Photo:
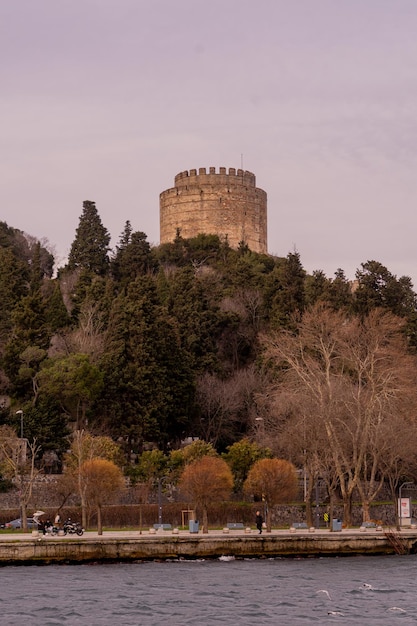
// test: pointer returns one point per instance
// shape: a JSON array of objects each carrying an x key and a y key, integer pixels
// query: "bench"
[
  {"x": 235, "y": 526},
  {"x": 299, "y": 525},
  {"x": 369, "y": 525},
  {"x": 162, "y": 526}
]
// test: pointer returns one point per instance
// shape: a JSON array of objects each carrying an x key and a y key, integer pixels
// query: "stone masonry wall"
[{"x": 227, "y": 204}]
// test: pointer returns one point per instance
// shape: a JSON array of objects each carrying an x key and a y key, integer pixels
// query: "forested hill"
[{"x": 155, "y": 344}]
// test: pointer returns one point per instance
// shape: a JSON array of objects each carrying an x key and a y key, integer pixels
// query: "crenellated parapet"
[
  {"x": 223, "y": 202},
  {"x": 201, "y": 176}
]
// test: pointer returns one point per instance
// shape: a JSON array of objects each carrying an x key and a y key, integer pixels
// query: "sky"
[{"x": 107, "y": 100}]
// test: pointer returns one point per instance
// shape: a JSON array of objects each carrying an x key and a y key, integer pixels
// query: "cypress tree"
[
  {"x": 89, "y": 250},
  {"x": 133, "y": 257}
]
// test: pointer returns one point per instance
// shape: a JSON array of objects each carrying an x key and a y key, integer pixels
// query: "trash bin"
[
  {"x": 193, "y": 525},
  {"x": 336, "y": 525}
]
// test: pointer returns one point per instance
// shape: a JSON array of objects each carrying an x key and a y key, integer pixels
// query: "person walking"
[{"x": 259, "y": 521}]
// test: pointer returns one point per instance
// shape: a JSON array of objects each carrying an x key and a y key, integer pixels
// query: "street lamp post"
[
  {"x": 260, "y": 429},
  {"x": 260, "y": 436},
  {"x": 317, "y": 504},
  {"x": 161, "y": 481},
  {"x": 20, "y": 412},
  {"x": 159, "y": 502},
  {"x": 408, "y": 484}
]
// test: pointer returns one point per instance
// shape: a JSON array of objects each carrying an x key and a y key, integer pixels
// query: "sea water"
[{"x": 228, "y": 591}]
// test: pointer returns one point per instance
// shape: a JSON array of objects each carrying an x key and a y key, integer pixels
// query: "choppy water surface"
[{"x": 361, "y": 590}]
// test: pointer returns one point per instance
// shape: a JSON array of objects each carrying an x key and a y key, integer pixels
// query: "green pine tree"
[
  {"x": 148, "y": 379},
  {"x": 89, "y": 250},
  {"x": 133, "y": 257}
]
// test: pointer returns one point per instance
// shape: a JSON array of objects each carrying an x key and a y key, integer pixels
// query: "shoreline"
[{"x": 130, "y": 546}]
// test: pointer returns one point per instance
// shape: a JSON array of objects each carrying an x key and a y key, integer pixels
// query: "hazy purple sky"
[{"x": 107, "y": 100}]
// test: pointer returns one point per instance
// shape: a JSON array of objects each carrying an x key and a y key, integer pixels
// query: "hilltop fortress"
[{"x": 227, "y": 204}]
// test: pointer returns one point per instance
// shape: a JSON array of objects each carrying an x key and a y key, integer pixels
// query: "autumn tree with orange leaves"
[
  {"x": 103, "y": 480},
  {"x": 273, "y": 480},
  {"x": 205, "y": 481}
]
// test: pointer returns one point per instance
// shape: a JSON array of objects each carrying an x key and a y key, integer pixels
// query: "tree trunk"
[
  {"x": 347, "y": 510},
  {"x": 24, "y": 517},
  {"x": 268, "y": 519},
  {"x": 366, "y": 515},
  {"x": 83, "y": 510},
  {"x": 309, "y": 514},
  {"x": 308, "y": 490},
  {"x": 99, "y": 521},
  {"x": 331, "y": 509},
  {"x": 23, "y": 504},
  {"x": 81, "y": 491},
  {"x": 205, "y": 520}
]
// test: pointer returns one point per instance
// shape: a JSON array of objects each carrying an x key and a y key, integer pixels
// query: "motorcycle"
[{"x": 73, "y": 528}]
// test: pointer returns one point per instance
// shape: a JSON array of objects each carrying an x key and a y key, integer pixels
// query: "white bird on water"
[{"x": 325, "y": 592}]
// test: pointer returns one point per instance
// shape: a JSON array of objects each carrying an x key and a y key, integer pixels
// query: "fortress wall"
[{"x": 225, "y": 203}]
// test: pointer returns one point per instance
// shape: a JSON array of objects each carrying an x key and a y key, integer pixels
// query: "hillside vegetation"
[{"x": 192, "y": 339}]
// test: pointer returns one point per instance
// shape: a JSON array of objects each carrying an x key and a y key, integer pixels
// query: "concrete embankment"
[{"x": 132, "y": 546}]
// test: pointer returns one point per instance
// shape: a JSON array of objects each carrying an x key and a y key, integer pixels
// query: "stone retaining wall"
[{"x": 39, "y": 551}]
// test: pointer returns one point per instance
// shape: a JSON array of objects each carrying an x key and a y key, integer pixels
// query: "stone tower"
[{"x": 227, "y": 204}]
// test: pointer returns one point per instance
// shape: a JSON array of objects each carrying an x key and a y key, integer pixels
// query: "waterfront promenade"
[{"x": 112, "y": 546}]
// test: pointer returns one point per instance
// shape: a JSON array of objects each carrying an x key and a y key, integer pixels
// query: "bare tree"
[
  {"x": 63, "y": 489},
  {"x": 299, "y": 437},
  {"x": 398, "y": 455},
  {"x": 88, "y": 337},
  {"x": 353, "y": 375},
  {"x": 226, "y": 405},
  {"x": 17, "y": 459},
  {"x": 141, "y": 492},
  {"x": 85, "y": 447}
]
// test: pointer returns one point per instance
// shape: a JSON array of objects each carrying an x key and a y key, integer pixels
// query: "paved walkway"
[{"x": 147, "y": 534}]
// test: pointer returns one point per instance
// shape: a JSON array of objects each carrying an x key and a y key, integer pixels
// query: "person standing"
[{"x": 259, "y": 521}]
